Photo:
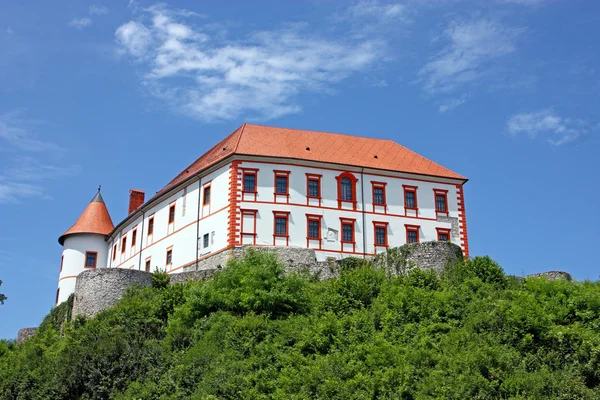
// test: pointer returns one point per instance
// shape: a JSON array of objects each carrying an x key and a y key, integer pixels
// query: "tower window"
[
  {"x": 91, "y": 258},
  {"x": 62, "y": 260}
]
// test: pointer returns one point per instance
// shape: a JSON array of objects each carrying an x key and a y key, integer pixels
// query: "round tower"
[{"x": 84, "y": 246}]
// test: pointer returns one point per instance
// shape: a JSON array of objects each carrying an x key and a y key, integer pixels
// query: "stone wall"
[
  {"x": 552, "y": 275},
  {"x": 182, "y": 277},
  {"x": 99, "y": 289},
  {"x": 425, "y": 255},
  {"x": 25, "y": 334}
]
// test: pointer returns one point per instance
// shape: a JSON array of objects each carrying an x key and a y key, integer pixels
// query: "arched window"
[{"x": 347, "y": 190}]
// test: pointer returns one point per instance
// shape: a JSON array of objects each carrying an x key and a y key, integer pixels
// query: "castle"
[{"x": 340, "y": 195}]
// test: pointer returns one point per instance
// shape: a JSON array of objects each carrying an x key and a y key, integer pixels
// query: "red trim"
[
  {"x": 462, "y": 219},
  {"x": 440, "y": 192},
  {"x": 172, "y": 213},
  {"x": 95, "y": 253},
  {"x": 169, "y": 250},
  {"x": 351, "y": 222},
  {"x": 286, "y": 215},
  {"x": 412, "y": 228},
  {"x": 382, "y": 186},
  {"x": 243, "y": 232},
  {"x": 413, "y": 189},
  {"x": 443, "y": 231},
  {"x": 249, "y": 171},
  {"x": 319, "y": 238},
  {"x": 353, "y": 181},
  {"x": 235, "y": 187},
  {"x": 383, "y": 225},
  {"x": 286, "y": 175},
  {"x": 204, "y": 189},
  {"x": 313, "y": 177}
]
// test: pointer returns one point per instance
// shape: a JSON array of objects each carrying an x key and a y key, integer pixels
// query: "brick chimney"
[{"x": 136, "y": 199}]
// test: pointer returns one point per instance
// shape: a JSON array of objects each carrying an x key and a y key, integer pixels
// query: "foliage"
[
  {"x": 254, "y": 332},
  {"x": 59, "y": 315},
  {"x": 160, "y": 279},
  {"x": 2, "y": 296}
]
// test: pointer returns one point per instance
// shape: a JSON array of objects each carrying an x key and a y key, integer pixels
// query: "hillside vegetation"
[{"x": 254, "y": 332}]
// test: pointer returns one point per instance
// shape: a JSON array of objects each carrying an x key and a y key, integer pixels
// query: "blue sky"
[{"x": 505, "y": 92}]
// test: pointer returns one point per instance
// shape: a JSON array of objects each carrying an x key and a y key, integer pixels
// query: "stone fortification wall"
[
  {"x": 25, "y": 334},
  {"x": 99, "y": 289},
  {"x": 552, "y": 275},
  {"x": 426, "y": 255}
]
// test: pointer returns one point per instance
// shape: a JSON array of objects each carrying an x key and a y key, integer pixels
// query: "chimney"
[{"x": 136, "y": 199}]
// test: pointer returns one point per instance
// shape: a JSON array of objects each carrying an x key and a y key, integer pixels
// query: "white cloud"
[
  {"x": 214, "y": 79},
  {"x": 10, "y": 31},
  {"x": 545, "y": 122},
  {"x": 525, "y": 2},
  {"x": 98, "y": 10},
  {"x": 471, "y": 49},
  {"x": 80, "y": 23},
  {"x": 377, "y": 10},
  {"x": 22, "y": 175},
  {"x": 451, "y": 104}
]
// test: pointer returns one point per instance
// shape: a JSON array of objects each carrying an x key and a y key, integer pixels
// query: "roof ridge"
[
  {"x": 240, "y": 135},
  {"x": 308, "y": 130}
]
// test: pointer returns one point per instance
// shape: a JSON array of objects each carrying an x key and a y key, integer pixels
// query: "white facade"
[
  {"x": 73, "y": 260},
  {"x": 183, "y": 226}
]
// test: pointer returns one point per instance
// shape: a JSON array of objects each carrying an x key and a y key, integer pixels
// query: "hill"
[{"x": 254, "y": 332}]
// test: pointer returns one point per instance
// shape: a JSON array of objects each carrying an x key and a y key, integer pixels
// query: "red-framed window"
[
  {"x": 410, "y": 197},
  {"x": 249, "y": 230},
  {"x": 171, "y": 213},
  {"x": 123, "y": 244},
  {"x": 443, "y": 234},
  {"x": 441, "y": 201},
  {"x": 62, "y": 260},
  {"x": 281, "y": 182},
  {"x": 281, "y": 223},
  {"x": 249, "y": 180},
  {"x": 114, "y": 252},
  {"x": 169, "y": 257},
  {"x": 378, "y": 195},
  {"x": 91, "y": 258},
  {"x": 150, "y": 226},
  {"x": 313, "y": 226},
  {"x": 347, "y": 230},
  {"x": 412, "y": 233},
  {"x": 147, "y": 265},
  {"x": 380, "y": 231},
  {"x": 206, "y": 196},
  {"x": 313, "y": 186},
  {"x": 133, "y": 237},
  {"x": 346, "y": 189}
]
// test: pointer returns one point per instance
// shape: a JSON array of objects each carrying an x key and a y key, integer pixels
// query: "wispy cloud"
[
  {"x": 451, "y": 104},
  {"x": 375, "y": 9},
  {"x": 525, "y": 2},
  {"x": 557, "y": 130},
  {"x": 98, "y": 10},
  {"x": 470, "y": 50},
  {"x": 22, "y": 175},
  {"x": 216, "y": 79},
  {"x": 80, "y": 23}
]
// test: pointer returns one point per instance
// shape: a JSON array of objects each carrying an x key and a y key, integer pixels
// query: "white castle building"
[{"x": 340, "y": 195}]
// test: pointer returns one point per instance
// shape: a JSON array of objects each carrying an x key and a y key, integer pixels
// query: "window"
[
  {"x": 62, "y": 260},
  {"x": 171, "y": 213},
  {"x": 379, "y": 193},
  {"x": 281, "y": 223},
  {"x": 381, "y": 230},
  {"x": 282, "y": 182},
  {"x": 134, "y": 237},
  {"x": 443, "y": 234},
  {"x": 313, "y": 229},
  {"x": 346, "y": 189},
  {"x": 123, "y": 245},
  {"x": 147, "y": 267},
  {"x": 90, "y": 259},
  {"x": 206, "y": 195},
  {"x": 114, "y": 252},
  {"x": 412, "y": 233},
  {"x": 313, "y": 188},
  {"x": 57, "y": 295},
  {"x": 150, "y": 226},
  {"x": 249, "y": 181},
  {"x": 410, "y": 197},
  {"x": 347, "y": 231},
  {"x": 169, "y": 260},
  {"x": 205, "y": 240},
  {"x": 441, "y": 201}
]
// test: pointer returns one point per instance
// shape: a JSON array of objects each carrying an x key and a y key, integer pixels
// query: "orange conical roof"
[{"x": 94, "y": 219}]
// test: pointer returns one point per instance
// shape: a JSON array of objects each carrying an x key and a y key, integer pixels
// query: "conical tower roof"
[{"x": 94, "y": 219}]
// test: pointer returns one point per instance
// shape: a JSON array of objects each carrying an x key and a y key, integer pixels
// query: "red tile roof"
[
  {"x": 94, "y": 219},
  {"x": 259, "y": 140}
]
